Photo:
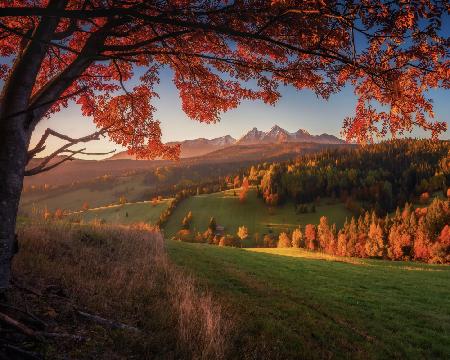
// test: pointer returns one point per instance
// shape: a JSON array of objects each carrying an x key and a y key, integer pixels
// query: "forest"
[
  {"x": 400, "y": 208},
  {"x": 379, "y": 177}
]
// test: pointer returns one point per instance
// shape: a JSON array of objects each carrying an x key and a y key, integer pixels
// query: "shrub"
[
  {"x": 284, "y": 241},
  {"x": 270, "y": 240}
]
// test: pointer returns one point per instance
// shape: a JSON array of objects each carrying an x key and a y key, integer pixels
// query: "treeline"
[
  {"x": 421, "y": 234},
  {"x": 377, "y": 177}
]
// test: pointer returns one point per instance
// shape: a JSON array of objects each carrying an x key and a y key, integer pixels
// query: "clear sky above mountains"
[{"x": 295, "y": 110}]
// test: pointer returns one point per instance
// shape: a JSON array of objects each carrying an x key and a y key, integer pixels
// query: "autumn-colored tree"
[
  {"x": 270, "y": 241},
  {"x": 47, "y": 214},
  {"x": 400, "y": 243},
  {"x": 59, "y": 51},
  {"x": 123, "y": 200},
  {"x": 441, "y": 249},
  {"x": 374, "y": 245},
  {"x": 283, "y": 240},
  {"x": 186, "y": 222},
  {"x": 342, "y": 243},
  {"x": 325, "y": 236},
  {"x": 353, "y": 237},
  {"x": 58, "y": 214},
  {"x": 154, "y": 201},
  {"x": 422, "y": 242},
  {"x": 242, "y": 233},
  {"x": 311, "y": 242},
  {"x": 297, "y": 238},
  {"x": 85, "y": 206},
  {"x": 244, "y": 190},
  {"x": 236, "y": 181}
]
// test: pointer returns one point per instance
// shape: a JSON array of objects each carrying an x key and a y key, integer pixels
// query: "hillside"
[
  {"x": 126, "y": 214},
  {"x": 84, "y": 170},
  {"x": 253, "y": 213}
]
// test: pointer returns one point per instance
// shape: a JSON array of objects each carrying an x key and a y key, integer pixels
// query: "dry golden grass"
[{"x": 123, "y": 274}]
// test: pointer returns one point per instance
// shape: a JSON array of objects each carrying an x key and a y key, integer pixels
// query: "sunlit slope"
[
  {"x": 253, "y": 213},
  {"x": 72, "y": 199},
  {"x": 293, "y": 304},
  {"x": 125, "y": 214}
]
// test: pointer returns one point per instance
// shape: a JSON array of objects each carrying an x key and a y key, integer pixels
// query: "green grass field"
[
  {"x": 126, "y": 214},
  {"x": 295, "y": 304},
  {"x": 254, "y": 214}
]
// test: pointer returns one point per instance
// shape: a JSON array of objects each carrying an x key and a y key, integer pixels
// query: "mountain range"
[{"x": 276, "y": 135}]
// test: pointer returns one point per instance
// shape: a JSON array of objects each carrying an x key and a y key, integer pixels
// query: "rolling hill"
[
  {"x": 240, "y": 154},
  {"x": 253, "y": 213}
]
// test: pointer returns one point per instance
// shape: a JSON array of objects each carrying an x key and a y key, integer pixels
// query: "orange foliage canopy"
[{"x": 390, "y": 51}]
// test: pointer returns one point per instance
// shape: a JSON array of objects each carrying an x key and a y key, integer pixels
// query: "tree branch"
[{"x": 65, "y": 149}]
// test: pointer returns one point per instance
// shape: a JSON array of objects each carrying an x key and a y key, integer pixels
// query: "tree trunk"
[{"x": 13, "y": 158}]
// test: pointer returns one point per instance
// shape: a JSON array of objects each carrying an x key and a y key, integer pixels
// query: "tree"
[
  {"x": 422, "y": 242},
  {"x": 310, "y": 237},
  {"x": 441, "y": 249},
  {"x": 58, "y": 214},
  {"x": 400, "y": 243},
  {"x": 236, "y": 181},
  {"x": 242, "y": 233},
  {"x": 269, "y": 241},
  {"x": 283, "y": 240},
  {"x": 375, "y": 242},
  {"x": 297, "y": 238},
  {"x": 324, "y": 235},
  {"x": 59, "y": 51},
  {"x": 212, "y": 225},
  {"x": 244, "y": 190},
  {"x": 85, "y": 206},
  {"x": 186, "y": 222},
  {"x": 122, "y": 200}
]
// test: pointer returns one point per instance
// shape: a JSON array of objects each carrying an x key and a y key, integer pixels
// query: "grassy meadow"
[
  {"x": 293, "y": 303},
  {"x": 125, "y": 214},
  {"x": 253, "y": 213}
]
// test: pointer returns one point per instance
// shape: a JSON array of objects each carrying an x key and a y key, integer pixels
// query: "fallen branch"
[
  {"x": 62, "y": 335},
  {"x": 110, "y": 323},
  {"x": 17, "y": 325},
  {"x": 33, "y": 318}
]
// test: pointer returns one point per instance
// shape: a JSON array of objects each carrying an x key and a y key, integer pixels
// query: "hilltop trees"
[
  {"x": 57, "y": 51},
  {"x": 378, "y": 177}
]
